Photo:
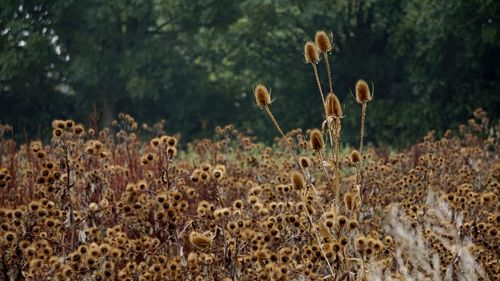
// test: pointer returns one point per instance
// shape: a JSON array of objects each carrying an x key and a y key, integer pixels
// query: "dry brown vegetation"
[{"x": 107, "y": 205}]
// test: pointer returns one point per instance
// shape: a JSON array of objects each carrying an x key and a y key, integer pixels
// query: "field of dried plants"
[{"x": 127, "y": 203}]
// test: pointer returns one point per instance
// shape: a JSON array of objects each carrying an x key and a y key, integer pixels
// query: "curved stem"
[{"x": 268, "y": 111}]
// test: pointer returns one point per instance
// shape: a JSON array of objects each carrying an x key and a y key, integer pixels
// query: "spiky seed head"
[
  {"x": 355, "y": 156},
  {"x": 297, "y": 180},
  {"x": 200, "y": 240},
  {"x": 311, "y": 52},
  {"x": 361, "y": 242},
  {"x": 353, "y": 224},
  {"x": 316, "y": 139},
  {"x": 218, "y": 173},
  {"x": 9, "y": 236},
  {"x": 336, "y": 247},
  {"x": 171, "y": 151},
  {"x": 333, "y": 108},
  {"x": 341, "y": 220},
  {"x": 69, "y": 123},
  {"x": 262, "y": 96},
  {"x": 323, "y": 41},
  {"x": 363, "y": 93},
  {"x": 305, "y": 162},
  {"x": 348, "y": 201},
  {"x": 57, "y": 132},
  {"x": 377, "y": 246}
]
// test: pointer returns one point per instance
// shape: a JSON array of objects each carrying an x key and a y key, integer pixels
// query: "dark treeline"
[{"x": 194, "y": 63}]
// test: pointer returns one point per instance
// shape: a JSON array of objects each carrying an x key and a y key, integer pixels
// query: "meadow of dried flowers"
[{"x": 107, "y": 205}]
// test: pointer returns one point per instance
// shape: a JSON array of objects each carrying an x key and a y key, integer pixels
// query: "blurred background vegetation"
[{"x": 194, "y": 63}]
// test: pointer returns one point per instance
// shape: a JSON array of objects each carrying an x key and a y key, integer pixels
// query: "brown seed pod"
[
  {"x": 323, "y": 41},
  {"x": 341, "y": 220},
  {"x": 348, "y": 201},
  {"x": 316, "y": 140},
  {"x": 333, "y": 108},
  {"x": 363, "y": 93},
  {"x": 57, "y": 132},
  {"x": 79, "y": 130},
  {"x": 353, "y": 224},
  {"x": 355, "y": 156},
  {"x": 9, "y": 236},
  {"x": 297, "y": 180},
  {"x": 304, "y": 162},
  {"x": 361, "y": 242},
  {"x": 262, "y": 96},
  {"x": 311, "y": 52},
  {"x": 200, "y": 240}
]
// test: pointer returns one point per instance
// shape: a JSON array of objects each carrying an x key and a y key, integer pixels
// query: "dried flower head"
[
  {"x": 316, "y": 140},
  {"x": 297, "y": 180},
  {"x": 355, "y": 156},
  {"x": 311, "y": 52},
  {"x": 304, "y": 162},
  {"x": 333, "y": 108},
  {"x": 323, "y": 41},
  {"x": 200, "y": 240},
  {"x": 262, "y": 96},
  {"x": 348, "y": 201},
  {"x": 363, "y": 93}
]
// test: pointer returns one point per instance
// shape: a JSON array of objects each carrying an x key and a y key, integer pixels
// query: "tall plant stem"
[
  {"x": 318, "y": 240},
  {"x": 316, "y": 75},
  {"x": 337, "y": 160},
  {"x": 268, "y": 111},
  {"x": 67, "y": 196},
  {"x": 330, "y": 78},
  {"x": 321, "y": 158},
  {"x": 333, "y": 142},
  {"x": 362, "y": 134},
  {"x": 361, "y": 140}
]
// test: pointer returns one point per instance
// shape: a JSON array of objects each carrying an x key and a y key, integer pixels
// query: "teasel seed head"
[
  {"x": 218, "y": 173},
  {"x": 363, "y": 94},
  {"x": 200, "y": 240},
  {"x": 355, "y": 156},
  {"x": 304, "y": 162},
  {"x": 341, "y": 221},
  {"x": 262, "y": 96},
  {"x": 79, "y": 130},
  {"x": 297, "y": 180},
  {"x": 361, "y": 242},
  {"x": 353, "y": 224},
  {"x": 323, "y": 41},
  {"x": 316, "y": 139},
  {"x": 311, "y": 52},
  {"x": 333, "y": 108},
  {"x": 348, "y": 201}
]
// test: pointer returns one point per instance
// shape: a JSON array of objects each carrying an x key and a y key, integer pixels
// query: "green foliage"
[{"x": 194, "y": 63}]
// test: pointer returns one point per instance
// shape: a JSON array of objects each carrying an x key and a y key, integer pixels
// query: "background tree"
[{"x": 194, "y": 63}]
